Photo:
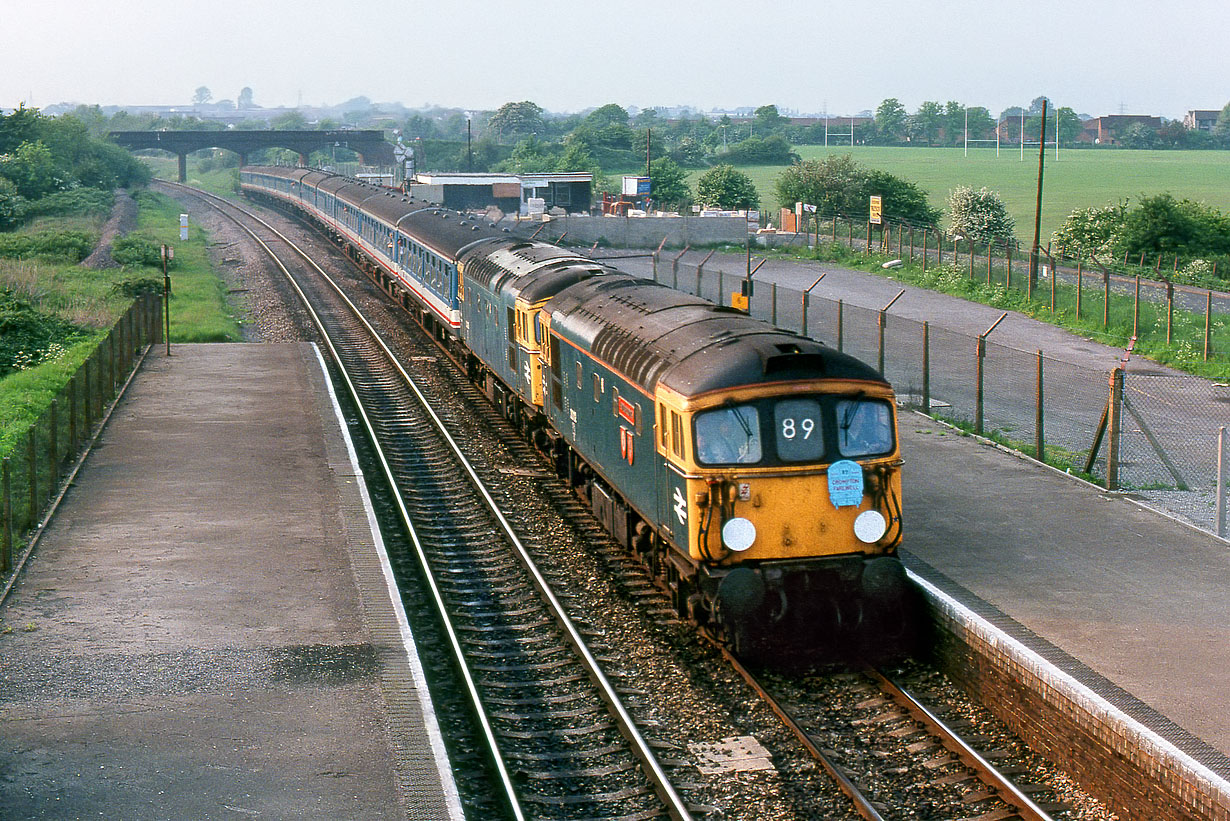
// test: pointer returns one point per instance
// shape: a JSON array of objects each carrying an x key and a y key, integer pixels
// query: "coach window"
[
  {"x": 597, "y": 389},
  {"x": 614, "y": 401},
  {"x": 580, "y": 375},
  {"x": 662, "y": 425}
]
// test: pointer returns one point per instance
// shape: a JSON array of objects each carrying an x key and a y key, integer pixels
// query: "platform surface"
[{"x": 204, "y": 630}]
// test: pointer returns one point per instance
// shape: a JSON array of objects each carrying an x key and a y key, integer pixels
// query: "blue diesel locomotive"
[{"x": 756, "y": 472}]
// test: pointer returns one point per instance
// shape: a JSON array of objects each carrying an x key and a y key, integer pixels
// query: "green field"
[{"x": 1078, "y": 179}]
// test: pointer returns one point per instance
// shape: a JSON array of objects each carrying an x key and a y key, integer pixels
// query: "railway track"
[
  {"x": 892, "y": 755},
  {"x": 517, "y": 661},
  {"x": 559, "y": 736}
]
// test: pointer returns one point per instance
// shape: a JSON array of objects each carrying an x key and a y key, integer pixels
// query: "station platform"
[
  {"x": 1135, "y": 601},
  {"x": 206, "y": 628}
]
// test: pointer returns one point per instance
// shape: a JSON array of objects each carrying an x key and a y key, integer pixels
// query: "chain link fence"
[{"x": 1025, "y": 399}]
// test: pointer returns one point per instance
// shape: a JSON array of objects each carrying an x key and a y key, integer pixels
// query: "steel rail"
[
  {"x": 675, "y": 805},
  {"x": 1007, "y": 792},
  {"x": 862, "y": 804}
]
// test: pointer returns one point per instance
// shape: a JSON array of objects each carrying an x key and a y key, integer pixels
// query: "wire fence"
[
  {"x": 30, "y": 475},
  {"x": 1167, "y": 421}
]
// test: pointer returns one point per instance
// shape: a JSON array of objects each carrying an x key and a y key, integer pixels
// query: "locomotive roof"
[
  {"x": 507, "y": 262},
  {"x": 653, "y": 334}
]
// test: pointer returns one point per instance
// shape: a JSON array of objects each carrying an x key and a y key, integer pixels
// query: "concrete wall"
[{"x": 640, "y": 232}]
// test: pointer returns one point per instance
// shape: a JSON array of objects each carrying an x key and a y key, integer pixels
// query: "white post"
[
  {"x": 967, "y": 131},
  {"x": 1222, "y": 465}
]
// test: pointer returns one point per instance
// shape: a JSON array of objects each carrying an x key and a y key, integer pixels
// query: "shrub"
[
  {"x": 138, "y": 286},
  {"x": 71, "y": 246},
  {"x": 979, "y": 215},
  {"x": 727, "y": 188},
  {"x": 138, "y": 249},
  {"x": 1090, "y": 230},
  {"x": 28, "y": 336},
  {"x": 77, "y": 202}
]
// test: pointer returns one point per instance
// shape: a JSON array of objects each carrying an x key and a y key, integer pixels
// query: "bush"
[
  {"x": 727, "y": 188},
  {"x": 137, "y": 287},
  {"x": 77, "y": 202},
  {"x": 29, "y": 337},
  {"x": 755, "y": 151},
  {"x": 839, "y": 185},
  {"x": 71, "y": 246},
  {"x": 980, "y": 215},
  {"x": 138, "y": 249},
  {"x": 1090, "y": 230}
]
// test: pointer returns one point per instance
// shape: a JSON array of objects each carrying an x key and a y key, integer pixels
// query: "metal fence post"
[
  {"x": 981, "y": 352},
  {"x": 1039, "y": 438},
  {"x": 1223, "y": 464},
  {"x": 1114, "y": 414},
  {"x": 1080, "y": 281},
  {"x": 883, "y": 319},
  {"x": 924, "y": 250},
  {"x": 773, "y": 290},
  {"x": 1169, "y": 311},
  {"x": 1208, "y": 325},
  {"x": 926, "y": 368},
  {"x": 840, "y": 316}
]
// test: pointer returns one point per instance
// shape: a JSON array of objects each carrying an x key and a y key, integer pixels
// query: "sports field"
[{"x": 1077, "y": 179}]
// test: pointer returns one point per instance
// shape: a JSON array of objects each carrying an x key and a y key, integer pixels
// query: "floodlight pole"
[{"x": 1033, "y": 253}]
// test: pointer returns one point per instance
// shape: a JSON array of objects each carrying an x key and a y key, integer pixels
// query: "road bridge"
[{"x": 371, "y": 146}]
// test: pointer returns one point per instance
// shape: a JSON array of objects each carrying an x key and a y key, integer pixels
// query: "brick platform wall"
[{"x": 1132, "y": 769}]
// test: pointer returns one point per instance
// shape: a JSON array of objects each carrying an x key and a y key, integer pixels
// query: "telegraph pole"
[{"x": 1033, "y": 253}]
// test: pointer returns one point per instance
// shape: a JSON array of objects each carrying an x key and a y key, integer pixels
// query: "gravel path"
[{"x": 122, "y": 220}]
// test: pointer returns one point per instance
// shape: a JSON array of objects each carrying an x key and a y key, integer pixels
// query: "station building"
[{"x": 511, "y": 193}]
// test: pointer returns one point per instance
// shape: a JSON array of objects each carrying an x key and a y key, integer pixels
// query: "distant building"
[
  {"x": 1108, "y": 130},
  {"x": 510, "y": 193},
  {"x": 1199, "y": 120}
]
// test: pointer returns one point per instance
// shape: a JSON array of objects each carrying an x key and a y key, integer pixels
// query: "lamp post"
[{"x": 168, "y": 253}]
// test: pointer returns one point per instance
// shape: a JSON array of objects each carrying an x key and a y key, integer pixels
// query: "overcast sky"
[{"x": 838, "y": 56}]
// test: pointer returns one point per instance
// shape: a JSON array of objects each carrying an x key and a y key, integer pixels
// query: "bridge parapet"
[{"x": 370, "y": 145}]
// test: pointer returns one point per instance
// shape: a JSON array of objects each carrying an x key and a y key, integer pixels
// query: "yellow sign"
[
  {"x": 738, "y": 300},
  {"x": 876, "y": 210}
]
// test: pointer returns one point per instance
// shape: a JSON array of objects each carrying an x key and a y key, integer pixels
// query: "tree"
[
  {"x": 32, "y": 170},
  {"x": 607, "y": 115},
  {"x": 1070, "y": 125},
  {"x": 202, "y": 95},
  {"x": 980, "y": 215},
  {"x": 726, "y": 188},
  {"x": 928, "y": 121},
  {"x": 1222, "y": 127},
  {"x": 773, "y": 150},
  {"x": 668, "y": 183},
  {"x": 1138, "y": 135},
  {"x": 831, "y": 184},
  {"x": 289, "y": 121},
  {"x": 890, "y": 120},
  {"x": 689, "y": 153},
  {"x": 981, "y": 124},
  {"x": 516, "y": 119},
  {"x": 12, "y": 205},
  {"x": 767, "y": 121},
  {"x": 245, "y": 99},
  {"x": 1088, "y": 231},
  {"x": 1160, "y": 224},
  {"x": 900, "y": 200}
]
